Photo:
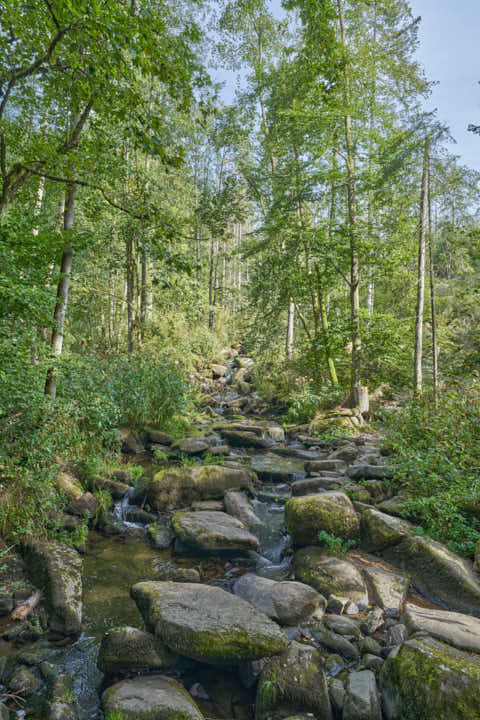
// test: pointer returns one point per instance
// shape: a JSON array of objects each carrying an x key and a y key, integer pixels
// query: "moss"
[{"x": 330, "y": 511}]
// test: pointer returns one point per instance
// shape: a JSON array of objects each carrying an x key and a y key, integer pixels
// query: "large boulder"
[
  {"x": 179, "y": 487},
  {"x": 380, "y": 531},
  {"x": 426, "y": 679},
  {"x": 287, "y": 602},
  {"x": 330, "y": 511},
  {"x": 207, "y": 623},
  {"x": 126, "y": 649},
  {"x": 320, "y": 466},
  {"x": 361, "y": 699},
  {"x": 210, "y": 531},
  {"x": 191, "y": 446},
  {"x": 442, "y": 576},
  {"x": 369, "y": 472},
  {"x": 153, "y": 697},
  {"x": 330, "y": 575},
  {"x": 240, "y": 438},
  {"x": 57, "y": 569},
  {"x": 456, "y": 629},
  {"x": 293, "y": 683},
  {"x": 388, "y": 590},
  {"x": 80, "y": 503},
  {"x": 238, "y": 505}
]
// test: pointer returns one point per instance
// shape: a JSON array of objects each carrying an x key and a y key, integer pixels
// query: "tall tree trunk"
[
  {"x": 422, "y": 230},
  {"x": 290, "y": 330},
  {"x": 352, "y": 220},
  {"x": 62, "y": 291},
  {"x": 432, "y": 293},
  {"x": 211, "y": 280},
  {"x": 130, "y": 281}
]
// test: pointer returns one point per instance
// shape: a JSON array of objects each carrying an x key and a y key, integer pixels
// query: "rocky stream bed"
[{"x": 209, "y": 593}]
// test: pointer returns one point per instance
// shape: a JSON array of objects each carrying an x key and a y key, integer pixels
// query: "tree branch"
[
  {"x": 72, "y": 142},
  {"x": 52, "y": 14}
]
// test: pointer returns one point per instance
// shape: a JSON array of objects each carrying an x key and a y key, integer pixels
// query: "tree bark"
[
  {"x": 432, "y": 294},
  {"x": 290, "y": 330},
  {"x": 422, "y": 229},
  {"x": 130, "y": 281},
  {"x": 62, "y": 291}
]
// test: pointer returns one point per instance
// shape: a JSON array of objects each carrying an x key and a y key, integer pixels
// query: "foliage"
[
  {"x": 437, "y": 458},
  {"x": 336, "y": 545}
]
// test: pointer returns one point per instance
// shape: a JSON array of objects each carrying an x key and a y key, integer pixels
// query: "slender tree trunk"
[
  {"x": 111, "y": 308},
  {"x": 290, "y": 330},
  {"x": 211, "y": 276},
  {"x": 432, "y": 293},
  {"x": 130, "y": 280},
  {"x": 422, "y": 230},
  {"x": 62, "y": 291}
]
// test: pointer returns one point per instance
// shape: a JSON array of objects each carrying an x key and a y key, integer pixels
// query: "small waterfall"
[{"x": 122, "y": 508}]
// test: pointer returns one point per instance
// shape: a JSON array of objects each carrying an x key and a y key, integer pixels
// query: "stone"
[
  {"x": 440, "y": 575},
  {"x": 334, "y": 641},
  {"x": 331, "y": 511},
  {"x": 330, "y": 575},
  {"x": 245, "y": 438},
  {"x": 388, "y": 590},
  {"x": 275, "y": 432},
  {"x": 157, "y": 437},
  {"x": 207, "y": 623},
  {"x": 342, "y": 625},
  {"x": 372, "y": 662},
  {"x": 23, "y": 681},
  {"x": 128, "y": 649},
  {"x": 153, "y": 697},
  {"x": 336, "y": 691},
  {"x": 130, "y": 442},
  {"x": 370, "y": 646},
  {"x": 336, "y": 604},
  {"x": 238, "y": 505},
  {"x": 219, "y": 371},
  {"x": 57, "y": 569},
  {"x": 161, "y": 536},
  {"x": 396, "y": 635},
  {"x": 191, "y": 446},
  {"x": 69, "y": 486},
  {"x": 140, "y": 517},
  {"x": 62, "y": 703},
  {"x": 116, "y": 489},
  {"x": 380, "y": 531},
  {"x": 361, "y": 699},
  {"x": 294, "y": 683},
  {"x": 6, "y": 604},
  {"x": 179, "y": 487},
  {"x": 209, "y": 531},
  {"x": 373, "y": 622},
  {"x": 175, "y": 573},
  {"x": 318, "y": 466},
  {"x": 369, "y": 472},
  {"x": 85, "y": 506},
  {"x": 215, "y": 505},
  {"x": 424, "y": 678},
  {"x": 288, "y": 602},
  {"x": 461, "y": 631},
  {"x": 314, "y": 484}
]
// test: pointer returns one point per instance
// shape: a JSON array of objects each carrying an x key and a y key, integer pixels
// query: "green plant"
[
  {"x": 336, "y": 545},
  {"x": 104, "y": 503},
  {"x": 209, "y": 459}
]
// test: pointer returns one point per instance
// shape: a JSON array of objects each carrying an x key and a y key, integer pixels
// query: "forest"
[{"x": 239, "y": 351}]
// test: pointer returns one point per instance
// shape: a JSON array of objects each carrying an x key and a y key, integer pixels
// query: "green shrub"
[{"x": 336, "y": 545}]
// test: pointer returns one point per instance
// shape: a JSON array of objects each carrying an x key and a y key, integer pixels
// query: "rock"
[
  {"x": 424, "y": 678},
  {"x": 206, "y": 623},
  {"x": 380, "y": 531},
  {"x": 85, "y": 506},
  {"x": 369, "y": 646},
  {"x": 23, "y": 681},
  {"x": 158, "y": 438},
  {"x": 336, "y": 690},
  {"x": 287, "y": 602},
  {"x": 130, "y": 442},
  {"x": 294, "y": 683},
  {"x": 373, "y": 621},
  {"x": 175, "y": 573},
  {"x": 219, "y": 371},
  {"x": 219, "y": 450},
  {"x": 275, "y": 432},
  {"x": 238, "y": 505},
  {"x": 128, "y": 649},
  {"x": 116, "y": 489},
  {"x": 6, "y": 604},
  {"x": 57, "y": 569},
  {"x": 348, "y": 454},
  {"x": 336, "y": 604},
  {"x": 314, "y": 484},
  {"x": 442, "y": 576},
  {"x": 388, "y": 590},
  {"x": 161, "y": 536},
  {"x": 396, "y": 635},
  {"x": 215, "y": 505},
  {"x": 191, "y": 446},
  {"x": 334, "y": 641},
  {"x": 372, "y": 662},
  {"x": 69, "y": 486},
  {"x": 153, "y": 697},
  {"x": 461, "y": 631},
  {"x": 369, "y": 472},
  {"x": 330, "y": 511},
  {"x": 62, "y": 703},
  {"x": 394, "y": 505},
  {"x": 246, "y": 439},
  {"x": 342, "y": 625},
  {"x": 330, "y": 575},
  {"x": 208, "y": 531},
  {"x": 179, "y": 487},
  {"x": 318, "y": 466},
  {"x": 361, "y": 699},
  {"x": 243, "y": 362},
  {"x": 140, "y": 517}
]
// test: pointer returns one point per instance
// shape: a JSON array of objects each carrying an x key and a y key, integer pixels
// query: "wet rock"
[
  {"x": 456, "y": 629},
  {"x": 330, "y": 575},
  {"x": 336, "y": 691},
  {"x": 175, "y": 573},
  {"x": 287, "y": 602},
  {"x": 57, "y": 569},
  {"x": 206, "y": 623},
  {"x": 238, "y": 505},
  {"x": 388, "y": 590},
  {"x": 62, "y": 704},
  {"x": 439, "y": 574},
  {"x": 246, "y": 439},
  {"x": 126, "y": 648},
  {"x": 369, "y": 472},
  {"x": 213, "y": 532},
  {"x": 424, "y": 678},
  {"x": 294, "y": 683},
  {"x": 161, "y": 536},
  {"x": 334, "y": 641},
  {"x": 314, "y": 484},
  {"x": 179, "y": 487},
  {"x": 373, "y": 622},
  {"x": 139, "y": 493},
  {"x": 330, "y": 511},
  {"x": 361, "y": 699},
  {"x": 380, "y": 531},
  {"x": 191, "y": 446},
  {"x": 318, "y": 466},
  {"x": 396, "y": 635},
  {"x": 116, "y": 489},
  {"x": 219, "y": 450},
  {"x": 275, "y": 432},
  {"x": 154, "y": 697},
  {"x": 139, "y": 516},
  {"x": 342, "y": 625}
]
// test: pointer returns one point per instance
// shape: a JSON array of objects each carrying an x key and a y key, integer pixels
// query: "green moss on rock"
[{"x": 330, "y": 511}]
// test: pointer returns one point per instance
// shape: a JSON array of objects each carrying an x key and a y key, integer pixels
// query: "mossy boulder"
[
  {"x": 207, "y": 623},
  {"x": 245, "y": 438},
  {"x": 330, "y": 575},
  {"x": 293, "y": 683},
  {"x": 423, "y": 679},
  {"x": 127, "y": 648},
  {"x": 380, "y": 530},
  {"x": 160, "y": 535},
  {"x": 179, "y": 487},
  {"x": 62, "y": 701},
  {"x": 210, "y": 531},
  {"x": 57, "y": 570},
  {"x": 442, "y": 576},
  {"x": 331, "y": 511},
  {"x": 154, "y": 697}
]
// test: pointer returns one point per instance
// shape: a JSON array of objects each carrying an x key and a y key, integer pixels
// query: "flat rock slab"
[
  {"x": 155, "y": 697},
  {"x": 380, "y": 531},
  {"x": 210, "y": 531},
  {"x": 288, "y": 602},
  {"x": 318, "y": 466},
  {"x": 246, "y": 439},
  {"x": 315, "y": 484},
  {"x": 330, "y": 511},
  {"x": 361, "y": 700},
  {"x": 387, "y": 590},
  {"x": 127, "y": 648},
  {"x": 369, "y": 472},
  {"x": 330, "y": 575},
  {"x": 191, "y": 446},
  {"x": 456, "y": 629},
  {"x": 206, "y": 623}
]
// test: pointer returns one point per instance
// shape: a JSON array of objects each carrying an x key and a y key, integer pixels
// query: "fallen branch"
[{"x": 23, "y": 611}]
